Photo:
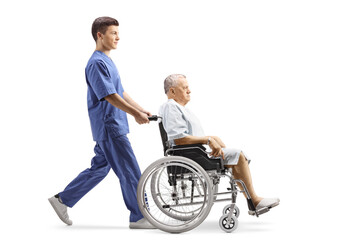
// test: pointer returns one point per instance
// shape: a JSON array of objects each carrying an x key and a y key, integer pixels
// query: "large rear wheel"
[{"x": 174, "y": 194}]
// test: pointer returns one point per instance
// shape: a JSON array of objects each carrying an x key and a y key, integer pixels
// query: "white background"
[{"x": 277, "y": 79}]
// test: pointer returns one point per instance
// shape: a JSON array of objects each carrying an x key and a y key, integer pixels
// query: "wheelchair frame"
[{"x": 188, "y": 165}]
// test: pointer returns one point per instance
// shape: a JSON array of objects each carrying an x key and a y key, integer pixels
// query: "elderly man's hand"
[
  {"x": 218, "y": 140},
  {"x": 216, "y": 148}
]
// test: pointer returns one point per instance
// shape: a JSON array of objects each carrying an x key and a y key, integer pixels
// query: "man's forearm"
[
  {"x": 191, "y": 140},
  {"x": 130, "y": 101},
  {"x": 117, "y": 101}
]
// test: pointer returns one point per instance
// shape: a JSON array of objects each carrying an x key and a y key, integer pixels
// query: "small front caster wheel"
[
  {"x": 236, "y": 212},
  {"x": 228, "y": 224}
]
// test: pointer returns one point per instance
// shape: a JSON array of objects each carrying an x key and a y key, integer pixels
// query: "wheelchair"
[{"x": 176, "y": 192}]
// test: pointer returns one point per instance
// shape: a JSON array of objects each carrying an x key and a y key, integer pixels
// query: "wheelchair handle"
[{"x": 154, "y": 118}]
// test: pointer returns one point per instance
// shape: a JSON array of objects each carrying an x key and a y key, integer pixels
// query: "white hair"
[{"x": 171, "y": 81}]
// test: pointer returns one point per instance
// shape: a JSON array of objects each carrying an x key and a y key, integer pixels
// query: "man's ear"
[{"x": 98, "y": 34}]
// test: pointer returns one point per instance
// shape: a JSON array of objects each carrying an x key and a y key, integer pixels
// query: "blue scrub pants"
[{"x": 115, "y": 153}]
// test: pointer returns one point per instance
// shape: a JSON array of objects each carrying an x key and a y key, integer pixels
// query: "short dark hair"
[{"x": 101, "y": 24}]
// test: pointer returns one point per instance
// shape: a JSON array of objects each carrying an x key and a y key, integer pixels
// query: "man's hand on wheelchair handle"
[
  {"x": 141, "y": 118},
  {"x": 146, "y": 112}
]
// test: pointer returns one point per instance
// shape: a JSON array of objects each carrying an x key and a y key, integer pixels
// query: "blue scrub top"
[{"x": 103, "y": 79}]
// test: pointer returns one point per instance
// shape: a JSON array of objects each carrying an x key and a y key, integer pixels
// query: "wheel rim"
[
  {"x": 228, "y": 224},
  {"x": 161, "y": 200},
  {"x": 183, "y": 212},
  {"x": 236, "y": 211}
]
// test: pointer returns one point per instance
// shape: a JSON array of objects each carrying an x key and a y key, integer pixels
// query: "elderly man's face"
[{"x": 182, "y": 91}]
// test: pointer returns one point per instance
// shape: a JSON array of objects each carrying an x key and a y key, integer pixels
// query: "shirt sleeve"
[
  {"x": 174, "y": 122},
  {"x": 100, "y": 80}
]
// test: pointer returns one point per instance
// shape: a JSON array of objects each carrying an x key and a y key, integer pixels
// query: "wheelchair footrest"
[{"x": 261, "y": 211}]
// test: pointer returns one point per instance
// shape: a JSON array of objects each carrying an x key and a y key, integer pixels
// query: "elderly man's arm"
[
  {"x": 191, "y": 140},
  {"x": 215, "y": 146}
]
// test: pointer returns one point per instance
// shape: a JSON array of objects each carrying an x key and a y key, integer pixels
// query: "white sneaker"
[
  {"x": 268, "y": 203},
  {"x": 60, "y": 209},
  {"x": 141, "y": 224}
]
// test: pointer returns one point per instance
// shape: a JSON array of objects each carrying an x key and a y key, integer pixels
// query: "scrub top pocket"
[{"x": 116, "y": 124}]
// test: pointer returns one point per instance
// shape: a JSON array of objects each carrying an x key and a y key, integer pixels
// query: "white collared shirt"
[{"x": 179, "y": 121}]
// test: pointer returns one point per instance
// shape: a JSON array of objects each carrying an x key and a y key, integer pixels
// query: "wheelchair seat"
[{"x": 195, "y": 152}]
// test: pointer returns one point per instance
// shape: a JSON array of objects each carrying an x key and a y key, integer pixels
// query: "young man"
[{"x": 108, "y": 104}]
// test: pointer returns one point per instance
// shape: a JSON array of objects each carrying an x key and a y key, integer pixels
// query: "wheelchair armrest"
[
  {"x": 189, "y": 146},
  {"x": 198, "y": 154}
]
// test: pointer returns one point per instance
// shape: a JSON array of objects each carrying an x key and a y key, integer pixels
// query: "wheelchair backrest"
[{"x": 164, "y": 137}]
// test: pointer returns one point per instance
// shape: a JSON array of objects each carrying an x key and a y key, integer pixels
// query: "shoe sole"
[
  {"x": 263, "y": 210},
  {"x": 57, "y": 212},
  {"x": 141, "y": 227}
]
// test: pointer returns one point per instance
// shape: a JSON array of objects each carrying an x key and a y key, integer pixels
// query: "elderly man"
[{"x": 183, "y": 128}]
